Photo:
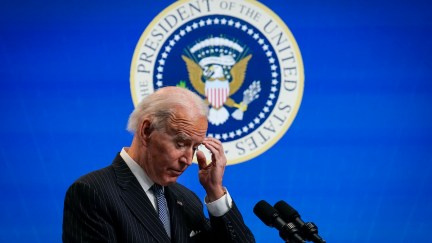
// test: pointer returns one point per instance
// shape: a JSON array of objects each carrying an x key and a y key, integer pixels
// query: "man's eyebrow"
[{"x": 182, "y": 137}]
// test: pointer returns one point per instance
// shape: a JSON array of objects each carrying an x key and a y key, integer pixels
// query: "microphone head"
[
  {"x": 287, "y": 212},
  {"x": 265, "y": 212}
]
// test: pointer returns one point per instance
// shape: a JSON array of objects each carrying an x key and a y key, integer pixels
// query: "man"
[{"x": 137, "y": 199}]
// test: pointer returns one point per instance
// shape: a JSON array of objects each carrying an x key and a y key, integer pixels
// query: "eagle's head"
[{"x": 214, "y": 72}]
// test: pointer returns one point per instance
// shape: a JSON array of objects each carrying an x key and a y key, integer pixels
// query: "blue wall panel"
[{"x": 356, "y": 160}]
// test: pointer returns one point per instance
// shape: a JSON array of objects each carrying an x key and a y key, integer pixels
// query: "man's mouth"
[{"x": 176, "y": 172}]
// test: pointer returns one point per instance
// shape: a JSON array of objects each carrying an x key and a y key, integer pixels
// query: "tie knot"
[{"x": 157, "y": 189}]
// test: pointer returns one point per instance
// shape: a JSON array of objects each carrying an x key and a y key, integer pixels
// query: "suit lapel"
[
  {"x": 179, "y": 229},
  {"x": 137, "y": 201}
]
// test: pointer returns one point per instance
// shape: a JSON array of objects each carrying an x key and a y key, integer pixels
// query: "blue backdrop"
[{"x": 356, "y": 160}]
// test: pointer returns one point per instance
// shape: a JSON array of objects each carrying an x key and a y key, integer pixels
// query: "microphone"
[
  {"x": 287, "y": 231},
  {"x": 309, "y": 230}
]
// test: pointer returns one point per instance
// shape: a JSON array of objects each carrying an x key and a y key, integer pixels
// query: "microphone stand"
[
  {"x": 312, "y": 233},
  {"x": 290, "y": 234}
]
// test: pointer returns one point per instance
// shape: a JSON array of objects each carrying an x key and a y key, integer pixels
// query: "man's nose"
[{"x": 188, "y": 155}]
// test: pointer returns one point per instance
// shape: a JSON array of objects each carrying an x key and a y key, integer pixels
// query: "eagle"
[{"x": 212, "y": 77}]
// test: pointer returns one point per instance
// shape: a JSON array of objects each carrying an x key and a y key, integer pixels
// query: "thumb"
[{"x": 202, "y": 161}]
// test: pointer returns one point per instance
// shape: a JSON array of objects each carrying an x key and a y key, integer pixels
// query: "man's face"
[{"x": 170, "y": 152}]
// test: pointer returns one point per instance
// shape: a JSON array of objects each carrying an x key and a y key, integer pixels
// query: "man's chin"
[{"x": 169, "y": 180}]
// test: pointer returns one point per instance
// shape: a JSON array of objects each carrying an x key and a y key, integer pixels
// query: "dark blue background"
[
  {"x": 173, "y": 73},
  {"x": 356, "y": 160}
]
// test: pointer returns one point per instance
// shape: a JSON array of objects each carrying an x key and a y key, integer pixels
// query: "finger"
[
  {"x": 213, "y": 141},
  {"x": 215, "y": 146}
]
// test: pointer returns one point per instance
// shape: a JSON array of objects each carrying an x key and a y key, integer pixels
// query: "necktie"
[{"x": 162, "y": 207}]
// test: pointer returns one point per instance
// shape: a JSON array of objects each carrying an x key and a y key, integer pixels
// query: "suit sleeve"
[
  {"x": 230, "y": 227},
  {"x": 85, "y": 216}
]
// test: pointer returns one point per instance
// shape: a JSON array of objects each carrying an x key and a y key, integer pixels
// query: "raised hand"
[{"x": 210, "y": 175}]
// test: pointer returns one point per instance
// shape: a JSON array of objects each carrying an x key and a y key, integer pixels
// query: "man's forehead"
[{"x": 187, "y": 134}]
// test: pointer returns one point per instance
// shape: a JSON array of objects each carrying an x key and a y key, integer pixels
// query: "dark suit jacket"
[{"x": 109, "y": 205}]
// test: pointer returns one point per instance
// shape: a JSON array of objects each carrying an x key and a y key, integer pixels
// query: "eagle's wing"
[
  {"x": 195, "y": 74},
  {"x": 238, "y": 72}
]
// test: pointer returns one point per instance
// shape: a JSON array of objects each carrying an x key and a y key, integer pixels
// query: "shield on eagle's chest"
[{"x": 217, "y": 92}]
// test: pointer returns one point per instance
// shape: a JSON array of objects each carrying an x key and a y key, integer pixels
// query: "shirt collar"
[{"x": 138, "y": 172}]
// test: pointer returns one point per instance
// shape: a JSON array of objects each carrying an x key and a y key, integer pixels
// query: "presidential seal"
[{"x": 239, "y": 56}]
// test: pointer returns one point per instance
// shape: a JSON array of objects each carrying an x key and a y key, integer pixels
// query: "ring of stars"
[{"x": 257, "y": 37}]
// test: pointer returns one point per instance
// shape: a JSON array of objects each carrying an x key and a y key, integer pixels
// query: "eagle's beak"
[{"x": 209, "y": 72}]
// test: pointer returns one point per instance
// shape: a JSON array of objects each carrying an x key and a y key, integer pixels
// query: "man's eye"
[{"x": 180, "y": 145}]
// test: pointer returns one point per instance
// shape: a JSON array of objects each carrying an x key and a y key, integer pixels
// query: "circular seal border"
[{"x": 148, "y": 85}]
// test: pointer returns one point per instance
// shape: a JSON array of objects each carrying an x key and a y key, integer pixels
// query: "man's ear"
[{"x": 145, "y": 131}]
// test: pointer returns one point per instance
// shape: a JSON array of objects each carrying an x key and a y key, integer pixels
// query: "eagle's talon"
[{"x": 243, "y": 107}]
